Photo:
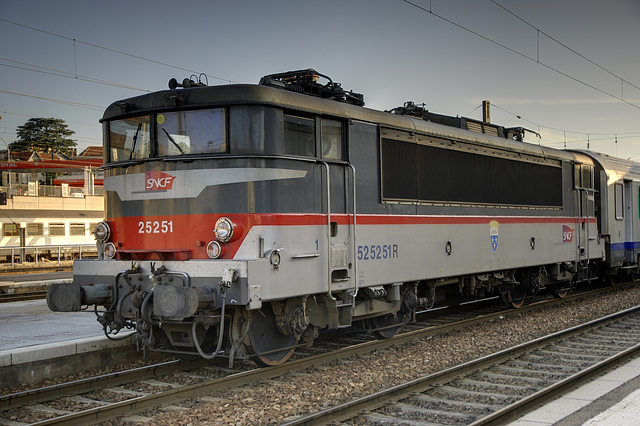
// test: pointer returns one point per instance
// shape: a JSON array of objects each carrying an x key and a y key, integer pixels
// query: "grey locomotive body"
[{"x": 243, "y": 220}]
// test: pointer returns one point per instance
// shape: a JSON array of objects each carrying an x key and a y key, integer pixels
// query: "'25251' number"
[{"x": 155, "y": 227}]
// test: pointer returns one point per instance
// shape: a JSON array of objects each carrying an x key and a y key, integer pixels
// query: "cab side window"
[
  {"x": 332, "y": 139},
  {"x": 299, "y": 136}
]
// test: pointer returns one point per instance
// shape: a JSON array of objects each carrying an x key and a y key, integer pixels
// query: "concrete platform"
[
  {"x": 23, "y": 283},
  {"x": 35, "y": 342},
  {"x": 611, "y": 400},
  {"x": 30, "y": 365},
  {"x": 31, "y": 323}
]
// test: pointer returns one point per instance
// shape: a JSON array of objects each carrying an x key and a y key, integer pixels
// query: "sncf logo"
[
  {"x": 158, "y": 181},
  {"x": 567, "y": 234}
]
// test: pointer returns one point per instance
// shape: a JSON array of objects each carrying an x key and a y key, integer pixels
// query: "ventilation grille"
[{"x": 482, "y": 128}]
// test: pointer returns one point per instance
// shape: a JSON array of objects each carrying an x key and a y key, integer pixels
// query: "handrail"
[
  {"x": 353, "y": 230},
  {"x": 49, "y": 191},
  {"x": 326, "y": 166},
  {"x": 353, "y": 235}
]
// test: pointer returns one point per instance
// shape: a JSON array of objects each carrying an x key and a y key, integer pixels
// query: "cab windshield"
[
  {"x": 168, "y": 134},
  {"x": 129, "y": 139}
]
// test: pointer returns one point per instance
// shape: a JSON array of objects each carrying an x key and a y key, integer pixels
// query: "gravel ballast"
[
  {"x": 275, "y": 401},
  {"x": 284, "y": 398}
]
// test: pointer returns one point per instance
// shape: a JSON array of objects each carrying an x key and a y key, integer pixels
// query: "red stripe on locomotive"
[{"x": 190, "y": 234}]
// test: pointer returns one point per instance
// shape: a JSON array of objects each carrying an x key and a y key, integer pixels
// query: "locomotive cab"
[{"x": 221, "y": 202}]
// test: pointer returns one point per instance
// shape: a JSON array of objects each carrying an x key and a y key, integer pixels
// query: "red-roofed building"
[
  {"x": 92, "y": 151},
  {"x": 49, "y": 200},
  {"x": 25, "y": 169}
]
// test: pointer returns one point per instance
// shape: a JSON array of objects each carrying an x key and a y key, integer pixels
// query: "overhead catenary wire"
[
  {"x": 66, "y": 121},
  {"x": 108, "y": 49},
  {"x": 609, "y": 136},
  {"x": 70, "y": 103},
  {"x": 539, "y": 31},
  {"x": 36, "y": 68},
  {"x": 477, "y": 34},
  {"x": 559, "y": 129},
  {"x": 589, "y": 135},
  {"x": 65, "y": 74},
  {"x": 75, "y": 75}
]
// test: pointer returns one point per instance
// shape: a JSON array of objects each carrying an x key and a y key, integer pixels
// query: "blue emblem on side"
[{"x": 493, "y": 233}]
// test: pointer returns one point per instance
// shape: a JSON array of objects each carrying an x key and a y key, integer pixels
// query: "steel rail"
[
  {"x": 21, "y": 297},
  {"x": 234, "y": 380},
  {"x": 51, "y": 392},
  {"x": 25, "y": 269},
  {"x": 513, "y": 411},
  {"x": 375, "y": 400},
  {"x": 238, "y": 379}
]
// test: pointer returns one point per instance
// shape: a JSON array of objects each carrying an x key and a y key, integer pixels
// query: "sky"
[{"x": 566, "y": 69}]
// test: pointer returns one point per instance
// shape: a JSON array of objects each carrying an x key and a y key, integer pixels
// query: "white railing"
[
  {"x": 47, "y": 190},
  {"x": 35, "y": 254}
]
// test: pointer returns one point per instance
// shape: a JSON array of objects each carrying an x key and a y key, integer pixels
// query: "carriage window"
[
  {"x": 10, "y": 230},
  {"x": 619, "y": 200},
  {"x": 332, "y": 139},
  {"x": 35, "y": 229},
  {"x": 76, "y": 229},
  {"x": 299, "y": 135},
  {"x": 129, "y": 139},
  {"x": 56, "y": 230},
  {"x": 191, "y": 132}
]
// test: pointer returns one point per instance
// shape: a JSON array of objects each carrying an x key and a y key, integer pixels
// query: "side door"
[
  {"x": 339, "y": 185},
  {"x": 629, "y": 217},
  {"x": 586, "y": 230}
]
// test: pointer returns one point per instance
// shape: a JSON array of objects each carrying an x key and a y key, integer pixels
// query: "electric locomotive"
[{"x": 243, "y": 220}]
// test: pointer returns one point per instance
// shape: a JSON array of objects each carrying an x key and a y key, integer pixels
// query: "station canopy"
[{"x": 56, "y": 162}]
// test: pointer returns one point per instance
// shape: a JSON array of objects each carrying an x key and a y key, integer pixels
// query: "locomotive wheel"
[
  {"x": 514, "y": 297},
  {"x": 386, "y": 326},
  {"x": 265, "y": 345}
]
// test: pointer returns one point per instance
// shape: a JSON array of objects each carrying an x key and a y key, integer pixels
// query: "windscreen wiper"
[
  {"x": 172, "y": 141},
  {"x": 135, "y": 140}
]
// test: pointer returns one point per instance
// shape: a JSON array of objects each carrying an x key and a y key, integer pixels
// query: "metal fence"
[
  {"x": 36, "y": 254},
  {"x": 48, "y": 190}
]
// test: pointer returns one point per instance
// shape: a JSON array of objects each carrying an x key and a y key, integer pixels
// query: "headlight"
[
  {"x": 109, "y": 250},
  {"x": 215, "y": 249},
  {"x": 102, "y": 232},
  {"x": 226, "y": 230}
]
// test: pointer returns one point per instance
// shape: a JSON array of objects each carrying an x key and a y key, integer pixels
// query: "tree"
[{"x": 44, "y": 134}]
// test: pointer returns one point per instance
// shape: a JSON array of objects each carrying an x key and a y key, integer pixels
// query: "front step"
[{"x": 339, "y": 312}]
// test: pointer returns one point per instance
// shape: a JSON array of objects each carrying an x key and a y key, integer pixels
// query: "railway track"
[
  {"x": 26, "y": 270},
  {"x": 21, "y": 297},
  {"x": 102, "y": 398},
  {"x": 498, "y": 387},
  {"x": 20, "y": 284}
]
